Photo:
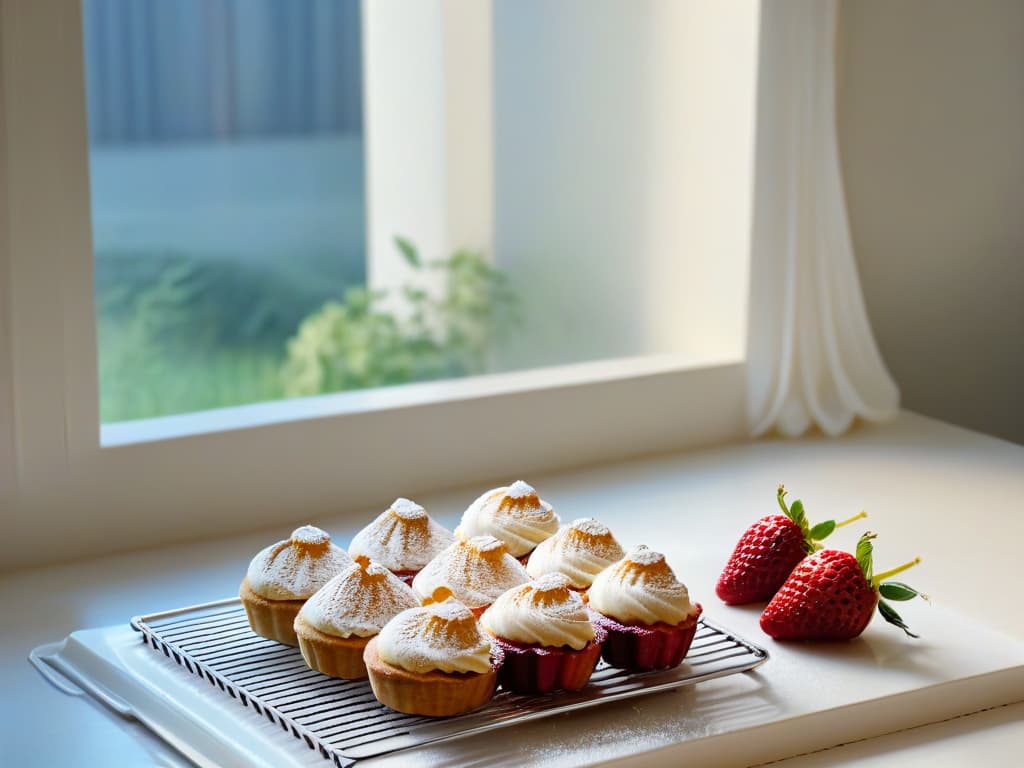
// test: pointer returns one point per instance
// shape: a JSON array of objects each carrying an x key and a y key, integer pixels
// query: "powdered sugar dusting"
[
  {"x": 520, "y": 490},
  {"x": 591, "y": 526},
  {"x": 580, "y": 551},
  {"x": 486, "y": 543},
  {"x": 358, "y": 601},
  {"x": 642, "y": 555},
  {"x": 545, "y": 611},
  {"x": 515, "y": 514},
  {"x": 408, "y": 510},
  {"x": 443, "y": 636},
  {"x": 402, "y": 538},
  {"x": 551, "y": 582},
  {"x": 376, "y": 569},
  {"x": 452, "y": 610},
  {"x": 642, "y": 588},
  {"x": 310, "y": 534},
  {"x": 476, "y": 572},
  {"x": 296, "y": 568}
]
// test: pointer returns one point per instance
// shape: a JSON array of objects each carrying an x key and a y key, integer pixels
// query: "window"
[
  {"x": 227, "y": 192},
  {"x": 589, "y": 178}
]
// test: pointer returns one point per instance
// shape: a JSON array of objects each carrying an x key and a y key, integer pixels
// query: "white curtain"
[{"x": 812, "y": 359}]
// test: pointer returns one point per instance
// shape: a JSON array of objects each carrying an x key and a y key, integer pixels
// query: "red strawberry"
[
  {"x": 831, "y": 595},
  {"x": 769, "y": 550}
]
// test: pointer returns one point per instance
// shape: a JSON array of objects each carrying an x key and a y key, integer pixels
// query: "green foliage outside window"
[
  {"x": 359, "y": 342},
  {"x": 180, "y": 333}
]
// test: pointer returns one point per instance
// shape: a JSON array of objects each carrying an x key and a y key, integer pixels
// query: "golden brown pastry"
[
  {"x": 475, "y": 571},
  {"x": 338, "y": 621},
  {"x": 515, "y": 515},
  {"x": 286, "y": 574},
  {"x": 433, "y": 661},
  {"x": 403, "y": 539}
]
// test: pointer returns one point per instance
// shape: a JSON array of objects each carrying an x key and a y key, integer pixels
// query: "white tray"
[
  {"x": 338, "y": 720},
  {"x": 810, "y": 696}
]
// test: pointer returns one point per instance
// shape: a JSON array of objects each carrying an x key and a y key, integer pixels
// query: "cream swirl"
[
  {"x": 545, "y": 611},
  {"x": 474, "y": 571},
  {"x": 297, "y": 567},
  {"x": 641, "y": 588},
  {"x": 441, "y": 637},
  {"x": 402, "y": 538},
  {"x": 358, "y": 601},
  {"x": 515, "y": 515},
  {"x": 580, "y": 551}
]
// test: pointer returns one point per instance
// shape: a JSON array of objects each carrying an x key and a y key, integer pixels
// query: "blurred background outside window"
[{"x": 228, "y": 165}]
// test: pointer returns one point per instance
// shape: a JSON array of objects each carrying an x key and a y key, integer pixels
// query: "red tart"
[
  {"x": 641, "y": 647},
  {"x": 546, "y": 635},
  {"x": 646, "y": 612}
]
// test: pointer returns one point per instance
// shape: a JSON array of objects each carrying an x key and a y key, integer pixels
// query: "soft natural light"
[{"x": 283, "y": 206}]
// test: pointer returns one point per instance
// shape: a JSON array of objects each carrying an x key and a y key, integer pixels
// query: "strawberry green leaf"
[
  {"x": 822, "y": 530},
  {"x": 796, "y": 514},
  {"x": 896, "y": 590},
  {"x": 893, "y": 618},
  {"x": 864, "y": 550},
  {"x": 408, "y": 251}
]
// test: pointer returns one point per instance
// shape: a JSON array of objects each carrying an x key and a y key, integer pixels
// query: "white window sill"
[{"x": 397, "y": 397}]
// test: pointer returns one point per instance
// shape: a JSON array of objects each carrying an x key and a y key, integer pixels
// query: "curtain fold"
[{"x": 811, "y": 355}]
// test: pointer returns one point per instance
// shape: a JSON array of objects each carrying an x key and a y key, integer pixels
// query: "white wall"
[
  {"x": 932, "y": 137},
  {"x": 623, "y": 162}
]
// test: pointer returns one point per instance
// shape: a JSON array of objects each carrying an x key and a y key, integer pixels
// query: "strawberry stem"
[
  {"x": 878, "y": 578},
  {"x": 780, "y": 495},
  {"x": 859, "y": 516}
]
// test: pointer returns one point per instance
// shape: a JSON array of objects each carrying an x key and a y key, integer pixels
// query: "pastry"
[
  {"x": 516, "y": 515},
  {"x": 645, "y": 610},
  {"x": 337, "y": 622},
  {"x": 286, "y": 574},
  {"x": 403, "y": 539},
  {"x": 433, "y": 661},
  {"x": 580, "y": 551},
  {"x": 545, "y": 632},
  {"x": 475, "y": 571}
]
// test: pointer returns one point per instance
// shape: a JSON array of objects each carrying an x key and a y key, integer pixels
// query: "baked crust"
[
  {"x": 531, "y": 668},
  {"x": 272, "y": 619},
  {"x": 435, "y": 694},
  {"x": 642, "y": 647},
  {"x": 329, "y": 654}
]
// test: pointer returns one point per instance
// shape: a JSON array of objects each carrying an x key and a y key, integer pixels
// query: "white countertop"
[{"x": 952, "y": 496}]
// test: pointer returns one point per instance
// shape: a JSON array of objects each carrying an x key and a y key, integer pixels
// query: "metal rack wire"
[{"x": 342, "y": 719}]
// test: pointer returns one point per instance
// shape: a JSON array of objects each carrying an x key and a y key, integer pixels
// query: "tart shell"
[
  {"x": 329, "y": 654},
  {"x": 642, "y": 647},
  {"x": 436, "y": 693},
  {"x": 543, "y": 669},
  {"x": 272, "y": 619}
]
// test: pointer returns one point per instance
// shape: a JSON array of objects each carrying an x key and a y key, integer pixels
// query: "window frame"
[{"x": 288, "y": 462}]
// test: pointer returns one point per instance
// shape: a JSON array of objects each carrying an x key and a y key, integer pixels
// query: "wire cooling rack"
[{"x": 341, "y": 718}]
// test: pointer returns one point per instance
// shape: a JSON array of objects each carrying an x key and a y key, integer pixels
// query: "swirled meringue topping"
[
  {"x": 297, "y": 567},
  {"x": 358, "y": 601},
  {"x": 545, "y": 611},
  {"x": 402, "y": 538},
  {"x": 515, "y": 515},
  {"x": 443, "y": 636},
  {"x": 476, "y": 571},
  {"x": 641, "y": 588},
  {"x": 580, "y": 551}
]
